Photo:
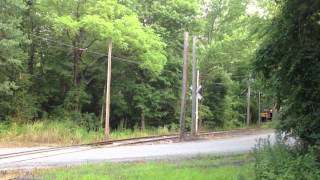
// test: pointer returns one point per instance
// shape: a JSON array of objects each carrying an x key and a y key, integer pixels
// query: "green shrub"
[{"x": 283, "y": 161}]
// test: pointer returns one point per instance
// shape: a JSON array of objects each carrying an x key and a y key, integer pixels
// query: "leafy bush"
[{"x": 283, "y": 161}]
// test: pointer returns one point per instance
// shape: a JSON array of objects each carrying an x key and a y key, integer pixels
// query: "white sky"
[{"x": 253, "y": 9}]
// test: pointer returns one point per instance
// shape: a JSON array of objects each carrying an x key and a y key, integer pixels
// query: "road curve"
[{"x": 89, "y": 154}]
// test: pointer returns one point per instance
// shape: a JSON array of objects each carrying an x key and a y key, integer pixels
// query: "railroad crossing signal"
[{"x": 199, "y": 96}]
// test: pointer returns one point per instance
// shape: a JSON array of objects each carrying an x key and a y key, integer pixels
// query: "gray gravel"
[{"x": 80, "y": 155}]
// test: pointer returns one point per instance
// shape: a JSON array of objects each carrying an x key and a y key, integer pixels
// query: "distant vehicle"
[{"x": 266, "y": 115}]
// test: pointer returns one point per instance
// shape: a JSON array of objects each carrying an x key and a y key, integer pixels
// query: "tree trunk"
[
  {"x": 143, "y": 125},
  {"x": 274, "y": 112},
  {"x": 31, "y": 57},
  {"x": 32, "y": 49},
  {"x": 77, "y": 54},
  {"x": 76, "y": 67}
]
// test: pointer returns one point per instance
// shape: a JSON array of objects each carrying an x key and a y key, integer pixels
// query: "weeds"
[
  {"x": 64, "y": 132},
  {"x": 283, "y": 161}
]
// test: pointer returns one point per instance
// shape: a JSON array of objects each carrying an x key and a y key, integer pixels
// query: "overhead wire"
[
  {"x": 85, "y": 49},
  {"x": 99, "y": 53},
  {"x": 89, "y": 51}
]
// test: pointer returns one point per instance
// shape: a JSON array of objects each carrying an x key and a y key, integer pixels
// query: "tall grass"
[
  {"x": 46, "y": 132},
  {"x": 64, "y": 132}
]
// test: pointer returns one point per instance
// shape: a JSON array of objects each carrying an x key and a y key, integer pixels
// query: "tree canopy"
[{"x": 54, "y": 59}]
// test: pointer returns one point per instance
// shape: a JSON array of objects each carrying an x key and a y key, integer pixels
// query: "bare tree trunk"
[
  {"x": 31, "y": 57},
  {"x": 274, "y": 111},
  {"x": 143, "y": 125},
  {"x": 125, "y": 122},
  {"x": 76, "y": 67},
  {"x": 32, "y": 49},
  {"x": 76, "y": 77},
  {"x": 77, "y": 54}
]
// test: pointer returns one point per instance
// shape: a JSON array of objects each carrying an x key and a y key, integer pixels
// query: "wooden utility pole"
[
  {"x": 108, "y": 73},
  {"x": 103, "y": 103},
  {"x": 259, "y": 107},
  {"x": 194, "y": 88},
  {"x": 184, "y": 84},
  {"x": 248, "y": 101}
]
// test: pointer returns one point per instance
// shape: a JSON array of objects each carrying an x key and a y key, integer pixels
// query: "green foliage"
[
  {"x": 75, "y": 98},
  {"x": 95, "y": 21},
  {"x": 232, "y": 35},
  {"x": 53, "y": 60},
  {"x": 215, "y": 98},
  {"x": 11, "y": 54},
  {"x": 282, "y": 161},
  {"x": 289, "y": 60},
  {"x": 26, "y": 107}
]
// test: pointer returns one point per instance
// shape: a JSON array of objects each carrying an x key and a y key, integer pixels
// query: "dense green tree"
[
  {"x": 88, "y": 25},
  {"x": 231, "y": 37},
  {"x": 289, "y": 59},
  {"x": 54, "y": 63},
  {"x": 13, "y": 78},
  {"x": 169, "y": 19}
]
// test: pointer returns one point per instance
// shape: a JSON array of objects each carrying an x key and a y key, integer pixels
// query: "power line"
[
  {"x": 86, "y": 49},
  {"x": 67, "y": 45},
  {"x": 89, "y": 51},
  {"x": 98, "y": 53}
]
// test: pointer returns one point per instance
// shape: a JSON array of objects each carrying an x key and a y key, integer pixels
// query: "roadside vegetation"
[
  {"x": 66, "y": 132},
  {"x": 288, "y": 61},
  {"x": 52, "y": 133},
  {"x": 285, "y": 160},
  {"x": 222, "y": 168}
]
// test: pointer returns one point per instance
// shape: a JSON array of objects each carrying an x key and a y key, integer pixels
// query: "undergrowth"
[
  {"x": 64, "y": 132},
  {"x": 285, "y": 160}
]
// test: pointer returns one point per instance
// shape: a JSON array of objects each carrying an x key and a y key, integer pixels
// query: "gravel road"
[{"x": 94, "y": 154}]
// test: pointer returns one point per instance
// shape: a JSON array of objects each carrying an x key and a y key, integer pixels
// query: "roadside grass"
[
  {"x": 66, "y": 132},
  {"x": 234, "y": 167},
  {"x": 50, "y": 133}
]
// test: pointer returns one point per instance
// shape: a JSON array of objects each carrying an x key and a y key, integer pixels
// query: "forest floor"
[{"x": 201, "y": 167}]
